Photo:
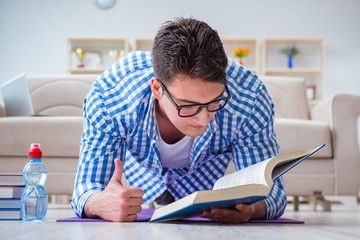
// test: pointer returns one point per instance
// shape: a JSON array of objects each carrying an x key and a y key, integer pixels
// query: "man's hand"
[
  {"x": 116, "y": 203},
  {"x": 241, "y": 214}
]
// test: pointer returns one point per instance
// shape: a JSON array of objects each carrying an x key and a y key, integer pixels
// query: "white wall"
[{"x": 33, "y": 33}]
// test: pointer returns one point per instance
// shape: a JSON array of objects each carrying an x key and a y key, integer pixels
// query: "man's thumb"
[{"x": 118, "y": 171}]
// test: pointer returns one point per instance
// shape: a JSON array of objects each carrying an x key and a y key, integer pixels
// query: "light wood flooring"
[{"x": 337, "y": 224}]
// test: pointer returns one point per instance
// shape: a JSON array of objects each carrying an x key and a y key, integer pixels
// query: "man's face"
[{"x": 187, "y": 91}]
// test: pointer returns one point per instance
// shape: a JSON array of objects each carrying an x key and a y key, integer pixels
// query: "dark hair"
[{"x": 190, "y": 47}]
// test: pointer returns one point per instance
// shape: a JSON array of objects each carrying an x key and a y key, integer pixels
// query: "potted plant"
[{"x": 291, "y": 52}]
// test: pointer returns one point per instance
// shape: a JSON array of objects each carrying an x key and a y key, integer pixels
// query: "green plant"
[{"x": 290, "y": 51}]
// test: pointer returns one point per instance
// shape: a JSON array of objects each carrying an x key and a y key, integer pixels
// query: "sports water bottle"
[{"x": 34, "y": 198}]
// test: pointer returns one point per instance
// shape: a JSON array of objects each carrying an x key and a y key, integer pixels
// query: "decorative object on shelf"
[
  {"x": 240, "y": 53},
  {"x": 291, "y": 52},
  {"x": 97, "y": 57},
  {"x": 311, "y": 92},
  {"x": 93, "y": 58},
  {"x": 80, "y": 53},
  {"x": 105, "y": 4},
  {"x": 115, "y": 54}
]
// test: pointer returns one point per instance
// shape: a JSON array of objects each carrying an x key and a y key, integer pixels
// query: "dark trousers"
[{"x": 165, "y": 198}]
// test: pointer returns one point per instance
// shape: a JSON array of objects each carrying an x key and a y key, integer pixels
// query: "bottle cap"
[{"x": 35, "y": 151}]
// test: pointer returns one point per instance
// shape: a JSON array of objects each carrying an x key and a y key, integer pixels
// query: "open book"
[{"x": 246, "y": 186}]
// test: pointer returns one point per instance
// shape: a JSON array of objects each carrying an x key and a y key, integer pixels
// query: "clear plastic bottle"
[{"x": 34, "y": 199}]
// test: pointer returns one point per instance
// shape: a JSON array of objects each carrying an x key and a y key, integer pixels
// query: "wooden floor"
[{"x": 337, "y": 224}]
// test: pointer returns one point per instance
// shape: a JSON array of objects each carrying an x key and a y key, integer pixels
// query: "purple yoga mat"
[{"x": 145, "y": 215}]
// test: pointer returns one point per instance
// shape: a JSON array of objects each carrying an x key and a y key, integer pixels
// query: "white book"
[
  {"x": 11, "y": 192},
  {"x": 11, "y": 180}
]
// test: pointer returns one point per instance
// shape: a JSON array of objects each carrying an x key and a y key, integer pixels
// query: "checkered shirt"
[{"x": 120, "y": 122}]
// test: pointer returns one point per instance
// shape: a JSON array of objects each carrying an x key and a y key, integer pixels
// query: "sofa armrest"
[
  {"x": 341, "y": 113},
  {"x": 2, "y": 110}
]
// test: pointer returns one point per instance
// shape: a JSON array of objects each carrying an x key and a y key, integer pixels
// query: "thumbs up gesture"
[
  {"x": 116, "y": 203},
  {"x": 116, "y": 177}
]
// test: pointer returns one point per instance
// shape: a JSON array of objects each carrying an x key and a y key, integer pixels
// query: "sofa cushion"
[
  {"x": 2, "y": 108},
  {"x": 58, "y": 136},
  {"x": 288, "y": 95},
  {"x": 307, "y": 184},
  {"x": 293, "y": 134},
  {"x": 60, "y": 95}
]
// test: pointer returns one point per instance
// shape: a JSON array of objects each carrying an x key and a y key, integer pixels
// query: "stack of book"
[{"x": 11, "y": 188}]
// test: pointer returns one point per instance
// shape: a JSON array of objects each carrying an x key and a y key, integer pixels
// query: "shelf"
[
  {"x": 97, "y": 40},
  {"x": 97, "y": 53},
  {"x": 294, "y": 40},
  {"x": 85, "y": 70},
  {"x": 292, "y": 71},
  {"x": 143, "y": 44},
  {"x": 314, "y": 102}
]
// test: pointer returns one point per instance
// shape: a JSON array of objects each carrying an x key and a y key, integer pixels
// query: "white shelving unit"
[
  {"x": 252, "y": 61},
  {"x": 308, "y": 63},
  {"x": 143, "y": 44},
  {"x": 264, "y": 59},
  {"x": 97, "y": 58}
]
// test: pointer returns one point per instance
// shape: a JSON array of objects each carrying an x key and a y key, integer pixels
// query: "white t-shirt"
[{"x": 175, "y": 155}]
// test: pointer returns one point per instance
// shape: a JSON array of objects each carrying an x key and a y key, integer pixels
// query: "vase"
[
  {"x": 241, "y": 62},
  {"x": 290, "y": 61}
]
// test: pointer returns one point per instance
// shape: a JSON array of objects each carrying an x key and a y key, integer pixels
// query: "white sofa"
[
  {"x": 58, "y": 100},
  {"x": 335, "y": 170}
]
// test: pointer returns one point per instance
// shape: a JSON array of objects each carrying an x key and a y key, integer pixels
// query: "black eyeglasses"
[{"x": 193, "y": 109}]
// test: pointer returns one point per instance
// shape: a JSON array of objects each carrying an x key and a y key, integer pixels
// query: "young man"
[{"x": 171, "y": 121}]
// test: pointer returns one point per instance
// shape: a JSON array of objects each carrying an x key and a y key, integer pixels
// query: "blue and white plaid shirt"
[{"x": 119, "y": 122}]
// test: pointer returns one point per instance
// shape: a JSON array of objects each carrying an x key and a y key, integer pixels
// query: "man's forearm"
[
  {"x": 260, "y": 210},
  {"x": 88, "y": 210}
]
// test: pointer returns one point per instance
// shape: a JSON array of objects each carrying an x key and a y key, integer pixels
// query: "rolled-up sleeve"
[{"x": 99, "y": 146}]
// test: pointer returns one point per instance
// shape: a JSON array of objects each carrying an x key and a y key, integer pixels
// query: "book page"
[{"x": 254, "y": 174}]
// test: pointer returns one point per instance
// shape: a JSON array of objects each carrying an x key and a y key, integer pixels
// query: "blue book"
[
  {"x": 10, "y": 214},
  {"x": 10, "y": 203},
  {"x": 248, "y": 185}
]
